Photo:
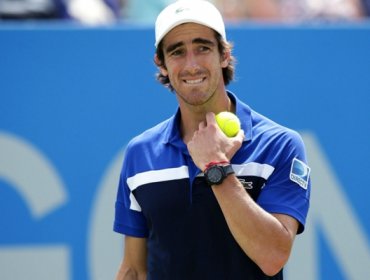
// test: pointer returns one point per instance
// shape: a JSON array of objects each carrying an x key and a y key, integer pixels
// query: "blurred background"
[{"x": 77, "y": 82}]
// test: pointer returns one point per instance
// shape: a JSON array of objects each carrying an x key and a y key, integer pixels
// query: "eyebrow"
[
  {"x": 172, "y": 47},
  {"x": 203, "y": 41}
]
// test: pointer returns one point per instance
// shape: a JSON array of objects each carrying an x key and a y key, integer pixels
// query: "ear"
[
  {"x": 225, "y": 59},
  {"x": 160, "y": 65}
]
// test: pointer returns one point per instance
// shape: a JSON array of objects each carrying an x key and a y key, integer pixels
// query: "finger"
[
  {"x": 210, "y": 118},
  {"x": 240, "y": 136},
  {"x": 202, "y": 125}
]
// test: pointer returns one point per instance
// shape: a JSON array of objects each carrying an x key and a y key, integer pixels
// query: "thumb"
[{"x": 240, "y": 136}]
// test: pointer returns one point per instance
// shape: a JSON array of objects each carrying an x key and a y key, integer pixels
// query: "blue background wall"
[{"x": 72, "y": 97}]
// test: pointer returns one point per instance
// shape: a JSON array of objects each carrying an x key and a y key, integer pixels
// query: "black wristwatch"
[{"x": 215, "y": 174}]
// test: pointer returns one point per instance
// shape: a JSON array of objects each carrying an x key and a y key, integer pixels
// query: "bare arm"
[
  {"x": 266, "y": 238},
  {"x": 133, "y": 265}
]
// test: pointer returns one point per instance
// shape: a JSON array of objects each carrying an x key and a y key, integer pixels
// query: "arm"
[
  {"x": 266, "y": 238},
  {"x": 133, "y": 265}
]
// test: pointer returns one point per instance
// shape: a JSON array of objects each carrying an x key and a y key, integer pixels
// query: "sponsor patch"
[{"x": 300, "y": 173}]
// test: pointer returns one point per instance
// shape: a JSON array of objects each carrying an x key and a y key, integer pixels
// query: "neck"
[{"x": 191, "y": 116}]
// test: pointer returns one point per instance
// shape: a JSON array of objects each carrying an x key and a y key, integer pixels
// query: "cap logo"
[{"x": 180, "y": 10}]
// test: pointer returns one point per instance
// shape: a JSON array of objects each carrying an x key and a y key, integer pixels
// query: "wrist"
[
  {"x": 212, "y": 163},
  {"x": 216, "y": 172}
]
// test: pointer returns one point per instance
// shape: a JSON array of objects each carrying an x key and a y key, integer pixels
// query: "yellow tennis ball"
[{"x": 229, "y": 123}]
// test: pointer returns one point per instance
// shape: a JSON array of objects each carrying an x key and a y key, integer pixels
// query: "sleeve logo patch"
[{"x": 300, "y": 173}]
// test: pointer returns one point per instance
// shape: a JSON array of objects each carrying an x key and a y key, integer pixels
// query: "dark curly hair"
[{"x": 223, "y": 46}]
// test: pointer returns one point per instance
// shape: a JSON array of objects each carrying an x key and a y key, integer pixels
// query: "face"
[{"x": 193, "y": 63}]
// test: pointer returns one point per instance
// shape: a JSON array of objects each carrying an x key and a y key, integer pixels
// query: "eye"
[
  {"x": 176, "y": 52},
  {"x": 203, "y": 49}
]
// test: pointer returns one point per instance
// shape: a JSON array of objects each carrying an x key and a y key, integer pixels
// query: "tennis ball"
[{"x": 229, "y": 123}]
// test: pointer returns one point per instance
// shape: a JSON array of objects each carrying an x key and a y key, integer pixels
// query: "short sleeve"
[
  {"x": 128, "y": 220},
  {"x": 287, "y": 190}
]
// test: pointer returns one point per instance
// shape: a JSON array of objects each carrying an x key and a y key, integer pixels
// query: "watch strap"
[
  {"x": 212, "y": 163},
  {"x": 228, "y": 169}
]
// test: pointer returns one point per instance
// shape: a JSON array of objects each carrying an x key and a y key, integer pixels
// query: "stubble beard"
[{"x": 196, "y": 98}]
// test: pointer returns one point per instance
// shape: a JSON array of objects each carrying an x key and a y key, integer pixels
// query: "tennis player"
[{"x": 192, "y": 203}]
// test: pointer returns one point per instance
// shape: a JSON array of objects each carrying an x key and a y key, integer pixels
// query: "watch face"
[{"x": 214, "y": 175}]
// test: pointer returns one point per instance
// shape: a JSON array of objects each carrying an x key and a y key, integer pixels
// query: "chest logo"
[{"x": 248, "y": 185}]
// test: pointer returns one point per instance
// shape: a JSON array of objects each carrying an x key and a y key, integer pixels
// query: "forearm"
[
  {"x": 128, "y": 273},
  {"x": 261, "y": 235},
  {"x": 133, "y": 265}
]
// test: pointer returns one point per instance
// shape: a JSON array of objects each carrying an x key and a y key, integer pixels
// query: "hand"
[{"x": 209, "y": 143}]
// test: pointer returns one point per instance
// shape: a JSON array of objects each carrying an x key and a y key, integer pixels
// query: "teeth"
[{"x": 194, "y": 81}]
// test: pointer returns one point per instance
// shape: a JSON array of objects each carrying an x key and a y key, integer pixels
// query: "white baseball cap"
[{"x": 184, "y": 11}]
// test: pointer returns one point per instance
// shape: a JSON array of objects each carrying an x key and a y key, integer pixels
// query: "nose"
[{"x": 191, "y": 64}]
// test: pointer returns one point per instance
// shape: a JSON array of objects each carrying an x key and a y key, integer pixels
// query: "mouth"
[{"x": 194, "y": 82}]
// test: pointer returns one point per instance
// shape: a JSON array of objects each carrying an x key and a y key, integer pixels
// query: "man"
[{"x": 182, "y": 221}]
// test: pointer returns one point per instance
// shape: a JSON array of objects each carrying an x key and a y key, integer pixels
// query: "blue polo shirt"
[{"x": 163, "y": 196}]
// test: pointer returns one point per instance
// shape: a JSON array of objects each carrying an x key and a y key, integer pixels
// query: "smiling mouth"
[{"x": 194, "y": 82}]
